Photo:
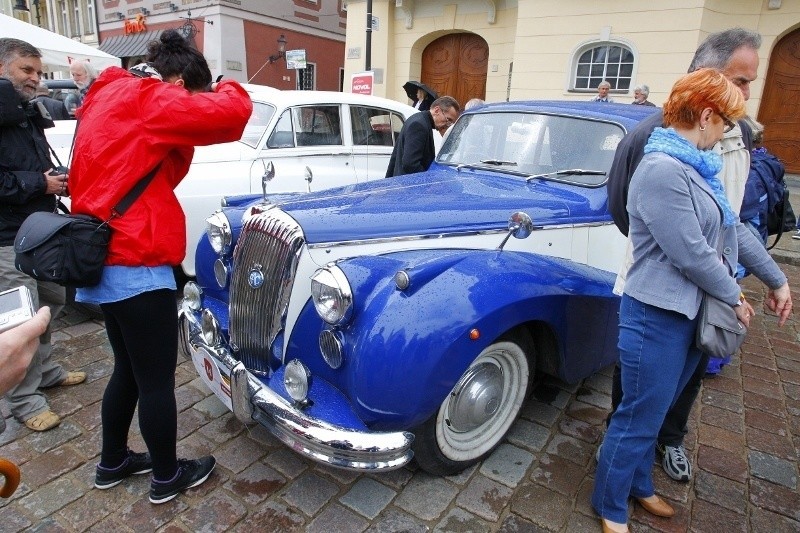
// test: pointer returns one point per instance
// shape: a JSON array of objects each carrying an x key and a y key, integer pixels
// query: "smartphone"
[{"x": 16, "y": 307}]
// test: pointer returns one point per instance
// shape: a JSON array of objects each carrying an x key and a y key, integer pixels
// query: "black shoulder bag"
[{"x": 69, "y": 249}]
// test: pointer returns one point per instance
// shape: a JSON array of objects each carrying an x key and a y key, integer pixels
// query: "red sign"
[
  {"x": 362, "y": 83},
  {"x": 135, "y": 26}
]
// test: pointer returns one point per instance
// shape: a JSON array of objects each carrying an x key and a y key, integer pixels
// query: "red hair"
[{"x": 705, "y": 87}]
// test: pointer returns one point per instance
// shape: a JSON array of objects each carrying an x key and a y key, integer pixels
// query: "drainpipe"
[{"x": 368, "y": 53}]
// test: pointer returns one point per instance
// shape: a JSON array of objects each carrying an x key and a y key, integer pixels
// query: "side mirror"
[{"x": 520, "y": 226}]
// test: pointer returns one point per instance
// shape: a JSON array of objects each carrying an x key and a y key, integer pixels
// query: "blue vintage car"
[{"x": 369, "y": 324}]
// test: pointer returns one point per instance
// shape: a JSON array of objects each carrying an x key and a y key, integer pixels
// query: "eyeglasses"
[{"x": 729, "y": 124}]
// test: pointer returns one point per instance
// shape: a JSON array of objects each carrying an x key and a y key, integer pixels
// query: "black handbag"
[{"x": 69, "y": 250}]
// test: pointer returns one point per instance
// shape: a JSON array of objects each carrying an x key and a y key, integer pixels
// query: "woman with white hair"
[{"x": 640, "y": 94}]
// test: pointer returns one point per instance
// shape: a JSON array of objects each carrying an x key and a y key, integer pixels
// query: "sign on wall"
[
  {"x": 296, "y": 59},
  {"x": 362, "y": 83}
]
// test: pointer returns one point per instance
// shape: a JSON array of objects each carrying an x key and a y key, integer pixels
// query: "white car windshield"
[{"x": 257, "y": 125}]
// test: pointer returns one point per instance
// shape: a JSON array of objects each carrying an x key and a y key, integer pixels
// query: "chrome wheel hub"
[{"x": 476, "y": 397}]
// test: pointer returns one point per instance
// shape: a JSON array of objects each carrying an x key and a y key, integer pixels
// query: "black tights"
[{"x": 143, "y": 331}]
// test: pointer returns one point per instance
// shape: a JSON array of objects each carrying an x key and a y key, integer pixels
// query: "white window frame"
[{"x": 589, "y": 45}]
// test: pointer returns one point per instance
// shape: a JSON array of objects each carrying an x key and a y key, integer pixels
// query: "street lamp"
[{"x": 281, "y": 50}]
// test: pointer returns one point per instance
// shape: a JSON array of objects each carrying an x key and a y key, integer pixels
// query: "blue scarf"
[{"x": 707, "y": 164}]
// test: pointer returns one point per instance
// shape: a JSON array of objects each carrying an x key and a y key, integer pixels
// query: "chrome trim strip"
[
  {"x": 316, "y": 439},
  {"x": 407, "y": 238}
]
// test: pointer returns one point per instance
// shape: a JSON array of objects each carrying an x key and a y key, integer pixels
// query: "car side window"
[
  {"x": 317, "y": 125},
  {"x": 282, "y": 136},
  {"x": 374, "y": 126}
]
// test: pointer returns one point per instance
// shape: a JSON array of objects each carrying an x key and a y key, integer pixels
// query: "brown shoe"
[
  {"x": 658, "y": 507},
  {"x": 73, "y": 378},
  {"x": 43, "y": 421}
]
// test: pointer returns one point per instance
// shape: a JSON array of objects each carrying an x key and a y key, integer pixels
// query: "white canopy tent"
[{"x": 57, "y": 51}]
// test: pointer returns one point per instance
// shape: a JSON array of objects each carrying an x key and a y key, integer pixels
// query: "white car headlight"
[
  {"x": 192, "y": 296},
  {"x": 332, "y": 296},
  {"x": 296, "y": 379},
  {"x": 218, "y": 230}
]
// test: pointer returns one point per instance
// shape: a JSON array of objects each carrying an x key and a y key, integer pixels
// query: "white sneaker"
[{"x": 796, "y": 235}]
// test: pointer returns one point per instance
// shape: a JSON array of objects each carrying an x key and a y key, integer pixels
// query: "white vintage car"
[{"x": 314, "y": 139}]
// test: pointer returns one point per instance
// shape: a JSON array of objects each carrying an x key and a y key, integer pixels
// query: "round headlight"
[
  {"x": 210, "y": 328},
  {"x": 192, "y": 294},
  {"x": 296, "y": 379},
  {"x": 332, "y": 296},
  {"x": 218, "y": 230}
]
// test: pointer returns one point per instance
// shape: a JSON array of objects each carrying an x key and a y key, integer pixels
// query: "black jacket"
[
  {"x": 414, "y": 149},
  {"x": 56, "y": 108},
  {"x": 630, "y": 151},
  {"x": 24, "y": 158}
]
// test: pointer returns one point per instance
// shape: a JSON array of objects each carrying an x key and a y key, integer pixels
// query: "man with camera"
[{"x": 28, "y": 183}]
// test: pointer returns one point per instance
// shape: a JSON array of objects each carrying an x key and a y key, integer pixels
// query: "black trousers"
[
  {"x": 674, "y": 428},
  {"x": 143, "y": 331}
]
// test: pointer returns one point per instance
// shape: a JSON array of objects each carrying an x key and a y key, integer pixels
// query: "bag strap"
[
  {"x": 123, "y": 205},
  {"x": 780, "y": 219}
]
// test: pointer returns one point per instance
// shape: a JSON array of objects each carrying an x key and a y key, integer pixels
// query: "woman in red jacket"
[{"x": 131, "y": 122}]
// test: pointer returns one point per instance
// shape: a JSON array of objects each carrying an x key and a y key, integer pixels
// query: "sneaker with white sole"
[
  {"x": 135, "y": 463},
  {"x": 191, "y": 473},
  {"x": 796, "y": 235},
  {"x": 675, "y": 462}
]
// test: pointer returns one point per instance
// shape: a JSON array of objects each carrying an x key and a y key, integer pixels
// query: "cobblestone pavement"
[{"x": 744, "y": 441}]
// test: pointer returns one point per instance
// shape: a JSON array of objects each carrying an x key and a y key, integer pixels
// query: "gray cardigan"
[{"x": 674, "y": 227}]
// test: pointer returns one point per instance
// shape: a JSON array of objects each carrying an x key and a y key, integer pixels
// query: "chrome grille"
[{"x": 269, "y": 249}]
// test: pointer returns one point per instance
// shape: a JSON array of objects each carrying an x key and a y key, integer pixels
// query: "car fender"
[{"x": 405, "y": 349}]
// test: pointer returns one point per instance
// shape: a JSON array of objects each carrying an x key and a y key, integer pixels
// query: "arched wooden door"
[
  {"x": 780, "y": 102},
  {"x": 456, "y": 65}
]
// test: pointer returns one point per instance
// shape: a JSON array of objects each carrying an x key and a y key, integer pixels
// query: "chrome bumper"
[{"x": 326, "y": 443}]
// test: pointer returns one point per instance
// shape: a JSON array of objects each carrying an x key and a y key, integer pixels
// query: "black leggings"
[{"x": 143, "y": 331}]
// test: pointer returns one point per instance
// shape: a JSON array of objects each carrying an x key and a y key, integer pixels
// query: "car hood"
[{"x": 440, "y": 201}]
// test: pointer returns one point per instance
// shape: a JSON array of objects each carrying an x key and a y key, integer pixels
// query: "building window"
[
  {"x": 76, "y": 19},
  {"x": 90, "y": 18},
  {"x": 62, "y": 4},
  {"x": 611, "y": 62},
  {"x": 306, "y": 78}
]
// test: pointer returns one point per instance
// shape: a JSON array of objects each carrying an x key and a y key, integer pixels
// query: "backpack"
[{"x": 766, "y": 196}]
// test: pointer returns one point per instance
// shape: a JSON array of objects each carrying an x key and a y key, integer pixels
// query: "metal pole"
[{"x": 368, "y": 53}]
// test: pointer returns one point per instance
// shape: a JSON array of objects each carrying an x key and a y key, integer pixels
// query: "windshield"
[
  {"x": 257, "y": 125},
  {"x": 530, "y": 144}
]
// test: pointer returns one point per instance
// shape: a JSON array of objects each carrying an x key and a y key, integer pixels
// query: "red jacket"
[{"x": 127, "y": 126}]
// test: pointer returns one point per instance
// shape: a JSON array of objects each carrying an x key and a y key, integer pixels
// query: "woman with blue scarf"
[{"x": 686, "y": 241}]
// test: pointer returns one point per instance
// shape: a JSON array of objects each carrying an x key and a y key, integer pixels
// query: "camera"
[
  {"x": 59, "y": 170},
  {"x": 16, "y": 307}
]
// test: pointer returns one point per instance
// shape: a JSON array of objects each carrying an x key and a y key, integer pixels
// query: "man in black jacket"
[
  {"x": 733, "y": 52},
  {"x": 414, "y": 149},
  {"x": 28, "y": 184}
]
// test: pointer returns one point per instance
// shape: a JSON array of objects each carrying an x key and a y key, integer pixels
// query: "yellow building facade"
[{"x": 542, "y": 49}]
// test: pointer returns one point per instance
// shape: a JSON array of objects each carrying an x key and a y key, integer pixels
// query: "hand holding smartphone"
[{"x": 16, "y": 307}]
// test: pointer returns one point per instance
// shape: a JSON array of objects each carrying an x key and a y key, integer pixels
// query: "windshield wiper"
[
  {"x": 498, "y": 162},
  {"x": 568, "y": 172}
]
